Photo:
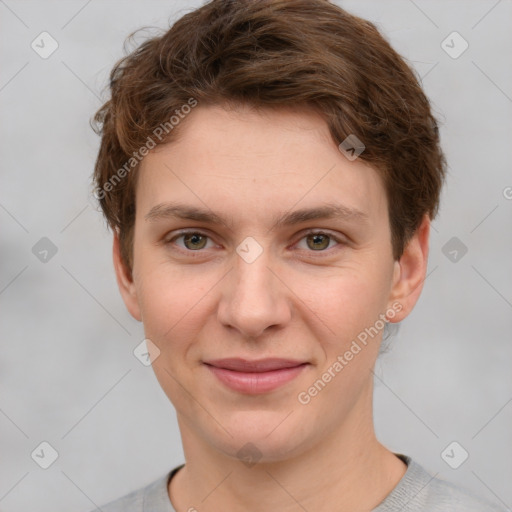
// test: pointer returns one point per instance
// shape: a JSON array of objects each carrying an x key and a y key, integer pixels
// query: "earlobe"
[
  {"x": 125, "y": 281},
  {"x": 410, "y": 272}
]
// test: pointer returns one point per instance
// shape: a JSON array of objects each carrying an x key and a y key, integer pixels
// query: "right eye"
[{"x": 193, "y": 241}]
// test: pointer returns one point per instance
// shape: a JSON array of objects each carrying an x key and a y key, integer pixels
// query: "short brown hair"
[{"x": 272, "y": 53}]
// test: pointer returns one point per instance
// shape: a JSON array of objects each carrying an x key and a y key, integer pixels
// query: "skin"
[{"x": 200, "y": 300}]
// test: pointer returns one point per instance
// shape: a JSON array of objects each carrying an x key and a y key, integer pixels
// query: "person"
[{"x": 270, "y": 169}]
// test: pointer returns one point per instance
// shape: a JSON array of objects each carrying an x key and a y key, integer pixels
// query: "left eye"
[{"x": 318, "y": 241}]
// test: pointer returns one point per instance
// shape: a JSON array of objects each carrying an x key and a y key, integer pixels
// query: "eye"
[
  {"x": 318, "y": 241},
  {"x": 195, "y": 241},
  {"x": 192, "y": 240}
]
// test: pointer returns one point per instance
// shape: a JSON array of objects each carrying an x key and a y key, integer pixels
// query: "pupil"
[
  {"x": 194, "y": 239},
  {"x": 317, "y": 241}
]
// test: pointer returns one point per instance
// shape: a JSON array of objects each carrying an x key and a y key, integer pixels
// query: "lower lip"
[{"x": 256, "y": 383}]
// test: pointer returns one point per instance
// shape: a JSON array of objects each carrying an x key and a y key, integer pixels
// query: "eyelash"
[{"x": 199, "y": 251}]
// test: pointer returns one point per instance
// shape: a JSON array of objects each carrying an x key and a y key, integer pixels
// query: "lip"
[{"x": 255, "y": 377}]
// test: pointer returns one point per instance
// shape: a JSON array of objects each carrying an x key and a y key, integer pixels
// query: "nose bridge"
[
  {"x": 254, "y": 299},
  {"x": 253, "y": 280}
]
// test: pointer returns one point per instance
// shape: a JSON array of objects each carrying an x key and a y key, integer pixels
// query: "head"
[{"x": 225, "y": 127}]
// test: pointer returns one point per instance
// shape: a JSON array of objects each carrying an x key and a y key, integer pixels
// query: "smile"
[{"x": 256, "y": 380}]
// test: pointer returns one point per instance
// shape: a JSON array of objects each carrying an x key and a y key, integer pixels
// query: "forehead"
[{"x": 252, "y": 164}]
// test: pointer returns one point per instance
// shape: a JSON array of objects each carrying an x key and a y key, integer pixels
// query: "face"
[{"x": 256, "y": 238}]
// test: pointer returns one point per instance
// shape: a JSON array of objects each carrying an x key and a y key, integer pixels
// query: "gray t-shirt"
[{"x": 417, "y": 491}]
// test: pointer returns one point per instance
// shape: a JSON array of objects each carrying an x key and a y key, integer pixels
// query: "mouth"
[{"x": 255, "y": 377}]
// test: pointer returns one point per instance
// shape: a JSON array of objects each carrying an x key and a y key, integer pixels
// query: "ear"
[
  {"x": 410, "y": 272},
  {"x": 125, "y": 281}
]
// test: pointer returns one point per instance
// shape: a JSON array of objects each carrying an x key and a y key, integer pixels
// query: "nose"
[{"x": 254, "y": 298}]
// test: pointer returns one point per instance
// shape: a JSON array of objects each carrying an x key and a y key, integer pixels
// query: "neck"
[{"x": 348, "y": 466}]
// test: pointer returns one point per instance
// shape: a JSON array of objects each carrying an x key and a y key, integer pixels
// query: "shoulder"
[
  {"x": 420, "y": 491},
  {"x": 133, "y": 502},
  {"x": 448, "y": 496},
  {"x": 152, "y": 497}
]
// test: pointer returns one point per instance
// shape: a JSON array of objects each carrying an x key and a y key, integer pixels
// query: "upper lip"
[{"x": 261, "y": 365}]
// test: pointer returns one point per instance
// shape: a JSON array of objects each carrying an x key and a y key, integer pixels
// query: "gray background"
[{"x": 67, "y": 372}]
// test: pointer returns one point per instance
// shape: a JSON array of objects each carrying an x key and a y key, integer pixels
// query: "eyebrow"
[{"x": 165, "y": 211}]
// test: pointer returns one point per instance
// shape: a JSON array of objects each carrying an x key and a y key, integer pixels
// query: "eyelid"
[
  {"x": 182, "y": 232},
  {"x": 339, "y": 239},
  {"x": 318, "y": 231}
]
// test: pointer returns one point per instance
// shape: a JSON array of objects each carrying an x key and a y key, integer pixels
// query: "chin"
[{"x": 262, "y": 435}]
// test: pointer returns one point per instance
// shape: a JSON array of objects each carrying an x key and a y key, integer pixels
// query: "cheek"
[
  {"x": 174, "y": 302},
  {"x": 166, "y": 304},
  {"x": 346, "y": 300}
]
